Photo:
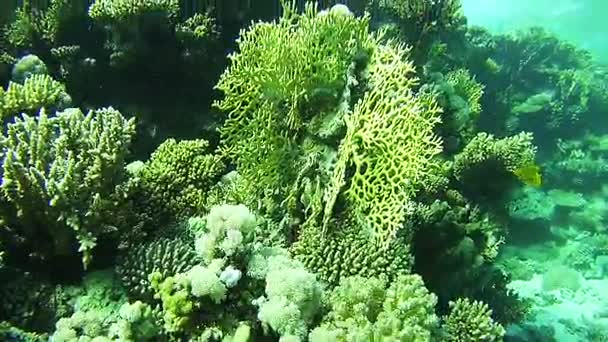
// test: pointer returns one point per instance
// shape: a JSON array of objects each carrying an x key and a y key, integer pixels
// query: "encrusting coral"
[{"x": 163, "y": 255}]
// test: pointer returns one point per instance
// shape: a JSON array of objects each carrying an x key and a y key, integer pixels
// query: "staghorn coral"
[
  {"x": 33, "y": 26},
  {"x": 166, "y": 256},
  {"x": 196, "y": 29},
  {"x": 37, "y": 91},
  {"x": 471, "y": 321},
  {"x": 59, "y": 174}
]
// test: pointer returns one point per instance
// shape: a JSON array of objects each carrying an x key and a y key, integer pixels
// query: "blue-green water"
[
  {"x": 377, "y": 170},
  {"x": 582, "y": 22}
]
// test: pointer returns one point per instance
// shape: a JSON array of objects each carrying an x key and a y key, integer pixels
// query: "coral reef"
[
  {"x": 296, "y": 171},
  {"x": 58, "y": 174}
]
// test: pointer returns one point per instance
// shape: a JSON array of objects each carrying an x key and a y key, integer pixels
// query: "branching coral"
[
  {"x": 198, "y": 28},
  {"x": 471, "y": 321},
  {"x": 59, "y": 173},
  {"x": 365, "y": 309},
  {"x": 173, "y": 183},
  {"x": 124, "y": 11},
  {"x": 37, "y": 91},
  {"x": 487, "y": 154},
  {"x": 33, "y": 26}
]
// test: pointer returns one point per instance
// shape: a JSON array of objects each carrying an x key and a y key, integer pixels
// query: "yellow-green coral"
[
  {"x": 471, "y": 321},
  {"x": 199, "y": 27},
  {"x": 33, "y": 24},
  {"x": 389, "y": 144},
  {"x": 467, "y": 87},
  {"x": 126, "y": 10},
  {"x": 346, "y": 252},
  {"x": 177, "y": 177},
  {"x": 59, "y": 174},
  {"x": 509, "y": 154},
  {"x": 278, "y": 69},
  {"x": 366, "y": 310},
  {"x": 38, "y": 91}
]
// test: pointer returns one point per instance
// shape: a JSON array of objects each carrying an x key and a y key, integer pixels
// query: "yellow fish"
[{"x": 529, "y": 174}]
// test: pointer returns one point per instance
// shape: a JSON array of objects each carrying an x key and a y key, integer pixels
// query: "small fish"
[{"x": 529, "y": 175}]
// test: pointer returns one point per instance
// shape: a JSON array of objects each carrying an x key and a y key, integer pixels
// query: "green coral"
[
  {"x": 365, "y": 309},
  {"x": 59, "y": 174},
  {"x": 346, "y": 252},
  {"x": 391, "y": 159},
  {"x": 471, "y": 321},
  {"x": 128, "y": 10},
  {"x": 173, "y": 183},
  {"x": 26, "y": 302},
  {"x": 27, "y": 66},
  {"x": 467, "y": 88},
  {"x": 100, "y": 312},
  {"x": 165, "y": 256},
  {"x": 9, "y": 332},
  {"x": 177, "y": 302},
  {"x": 485, "y": 151},
  {"x": 419, "y": 22},
  {"x": 36, "y": 92},
  {"x": 198, "y": 28},
  {"x": 279, "y": 71},
  {"x": 32, "y": 25}
]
